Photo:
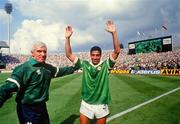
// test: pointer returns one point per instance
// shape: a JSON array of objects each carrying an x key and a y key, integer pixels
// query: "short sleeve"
[
  {"x": 78, "y": 64},
  {"x": 110, "y": 63}
]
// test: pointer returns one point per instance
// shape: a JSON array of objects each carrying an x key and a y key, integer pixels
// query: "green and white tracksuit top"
[{"x": 31, "y": 81}]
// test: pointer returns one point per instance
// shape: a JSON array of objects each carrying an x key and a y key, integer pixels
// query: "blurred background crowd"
[{"x": 145, "y": 61}]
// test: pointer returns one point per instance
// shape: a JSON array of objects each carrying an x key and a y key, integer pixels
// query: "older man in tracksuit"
[{"x": 31, "y": 81}]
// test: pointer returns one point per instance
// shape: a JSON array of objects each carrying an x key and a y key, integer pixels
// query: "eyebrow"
[{"x": 41, "y": 50}]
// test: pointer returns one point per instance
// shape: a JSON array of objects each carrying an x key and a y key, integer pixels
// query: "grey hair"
[{"x": 39, "y": 44}]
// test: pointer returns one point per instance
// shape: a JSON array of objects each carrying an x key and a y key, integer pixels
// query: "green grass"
[
  {"x": 136, "y": 89},
  {"x": 126, "y": 90}
]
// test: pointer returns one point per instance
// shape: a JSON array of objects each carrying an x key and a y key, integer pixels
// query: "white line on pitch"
[{"x": 140, "y": 105}]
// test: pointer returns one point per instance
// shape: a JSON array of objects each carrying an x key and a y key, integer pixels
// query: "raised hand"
[
  {"x": 110, "y": 26},
  {"x": 69, "y": 32}
]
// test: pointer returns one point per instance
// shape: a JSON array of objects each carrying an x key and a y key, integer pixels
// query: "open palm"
[
  {"x": 69, "y": 31},
  {"x": 110, "y": 26}
]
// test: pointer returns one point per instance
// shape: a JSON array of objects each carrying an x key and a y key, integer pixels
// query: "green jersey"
[
  {"x": 31, "y": 80},
  {"x": 95, "y": 81}
]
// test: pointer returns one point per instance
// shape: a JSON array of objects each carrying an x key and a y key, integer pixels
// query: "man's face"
[
  {"x": 95, "y": 57},
  {"x": 40, "y": 53}
]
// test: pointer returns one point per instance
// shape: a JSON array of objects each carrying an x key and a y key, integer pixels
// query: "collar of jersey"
[
  {"x": 33, "y": 61},
  {"x": 96, "y": 65}
]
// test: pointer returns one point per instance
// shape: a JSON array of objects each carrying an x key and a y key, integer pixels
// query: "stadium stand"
[
  {"x": 145, "y": 61},
  {"x": 2, "y": 45},
  {"x": 141, "y": 61}
]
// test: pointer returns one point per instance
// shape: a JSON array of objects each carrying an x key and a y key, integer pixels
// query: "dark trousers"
[{"x": 33, "y": 113}]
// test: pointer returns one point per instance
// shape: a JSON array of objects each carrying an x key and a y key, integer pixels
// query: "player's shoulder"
[{"x": 85, "y": 62}]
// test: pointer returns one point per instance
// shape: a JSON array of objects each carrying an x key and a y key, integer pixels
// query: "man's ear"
[{"x": 32, "y": 53}]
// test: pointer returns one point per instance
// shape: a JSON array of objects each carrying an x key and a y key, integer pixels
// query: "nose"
[
  {"x": 43, "y": 53},
  {"x": 96, "y": 57}
]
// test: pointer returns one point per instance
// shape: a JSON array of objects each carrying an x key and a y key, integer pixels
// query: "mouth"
[
  {"x": 41, "y": 59},
  {"x": 95, "y": 61}
]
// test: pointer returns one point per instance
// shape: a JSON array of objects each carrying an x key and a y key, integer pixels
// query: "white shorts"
[{"x": 91, "y": 111}]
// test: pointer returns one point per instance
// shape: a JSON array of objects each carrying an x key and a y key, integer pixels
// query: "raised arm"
[
  {"x": 68, "y": 49},
  {"x": 111, "y": 28}
]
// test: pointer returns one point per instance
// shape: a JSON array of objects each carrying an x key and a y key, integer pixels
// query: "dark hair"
[{"x": 96, "y": 48}]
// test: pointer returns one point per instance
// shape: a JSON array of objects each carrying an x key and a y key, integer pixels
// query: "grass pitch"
[{"x": 126, "y": 91}]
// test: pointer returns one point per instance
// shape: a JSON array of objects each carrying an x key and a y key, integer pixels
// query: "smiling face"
[
  {"x": 95, "y": 57},
  {"x": 39, "y": 52},
  {"x": 95, "y": 54}
]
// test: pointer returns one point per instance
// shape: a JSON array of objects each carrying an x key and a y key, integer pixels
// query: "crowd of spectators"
[
  {"x": 149, "y": 61},
  {"x": 145, "y": 61}
]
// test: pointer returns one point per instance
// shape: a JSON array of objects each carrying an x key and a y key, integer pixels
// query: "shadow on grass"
[{"x": 70, "y": 119}]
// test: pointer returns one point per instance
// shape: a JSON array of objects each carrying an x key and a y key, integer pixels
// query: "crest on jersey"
[
  {"x": 99, "y": 68},
  {"x": 38, "y": 72}
]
